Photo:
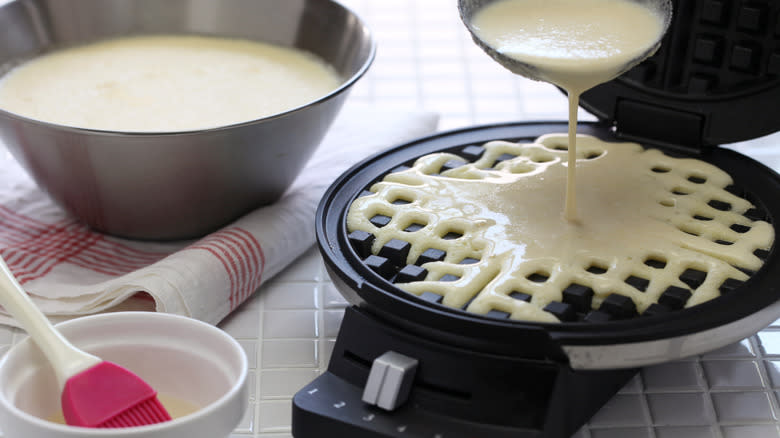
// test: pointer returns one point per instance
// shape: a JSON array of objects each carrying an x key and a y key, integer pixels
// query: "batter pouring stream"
[{"x": 575, "y": 45}]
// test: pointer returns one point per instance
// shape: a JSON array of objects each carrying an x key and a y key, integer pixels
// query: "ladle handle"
[{"x": 66, "y": 359}]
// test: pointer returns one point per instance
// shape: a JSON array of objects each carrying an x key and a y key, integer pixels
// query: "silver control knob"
[{"x": 390, "y": 380}]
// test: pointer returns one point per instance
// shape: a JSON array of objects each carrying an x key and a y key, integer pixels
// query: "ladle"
[
  {"x": 576, "y": 74},
  {"x": 467, "y": 9}
]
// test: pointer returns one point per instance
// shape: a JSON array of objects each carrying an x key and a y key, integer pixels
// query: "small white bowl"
[{"x": 182, "y": 358}]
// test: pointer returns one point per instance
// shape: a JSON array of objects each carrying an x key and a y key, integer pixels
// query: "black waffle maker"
[{"x": 405, "y": 365}]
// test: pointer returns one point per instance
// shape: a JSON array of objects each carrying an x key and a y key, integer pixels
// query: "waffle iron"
[{"x": 405, "y": 365}]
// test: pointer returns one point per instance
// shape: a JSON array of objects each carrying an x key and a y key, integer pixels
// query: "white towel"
[{"x": 71, "y": 270}]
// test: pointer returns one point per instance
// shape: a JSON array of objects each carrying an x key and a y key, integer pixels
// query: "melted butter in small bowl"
[{"x": 199, "y": 372}]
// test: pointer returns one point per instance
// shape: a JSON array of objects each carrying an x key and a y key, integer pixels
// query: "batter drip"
[{"x": 574, "y": 44}]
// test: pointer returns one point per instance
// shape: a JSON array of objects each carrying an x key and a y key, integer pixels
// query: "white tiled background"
[{"x": 426, "y": 60}]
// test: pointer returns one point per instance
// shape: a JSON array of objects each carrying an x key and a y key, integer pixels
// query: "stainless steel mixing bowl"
[{"x": 180, "y": 184}]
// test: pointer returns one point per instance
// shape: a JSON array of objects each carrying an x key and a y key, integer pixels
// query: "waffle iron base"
[
  {"x": 471, "y": 394},
  {"x": 481, "y": 377}
]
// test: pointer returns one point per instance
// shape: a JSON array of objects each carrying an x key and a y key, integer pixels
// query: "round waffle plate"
[{"x": 742, "y": 309}]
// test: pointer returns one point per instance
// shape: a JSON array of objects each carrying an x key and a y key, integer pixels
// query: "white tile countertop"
[{"x": 426, "y": 60}]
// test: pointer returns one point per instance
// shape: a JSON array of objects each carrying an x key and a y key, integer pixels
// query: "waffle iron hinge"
[{"x": 647, "y": 123}]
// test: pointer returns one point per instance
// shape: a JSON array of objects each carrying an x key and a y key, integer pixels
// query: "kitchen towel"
[{"x": 71, "y": 270}]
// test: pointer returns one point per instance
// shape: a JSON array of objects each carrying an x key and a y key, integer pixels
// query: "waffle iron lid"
[{"x": 715, "y": 79}]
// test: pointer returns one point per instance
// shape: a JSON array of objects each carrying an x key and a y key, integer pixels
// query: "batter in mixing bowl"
[{"x": 165, "y": 83}]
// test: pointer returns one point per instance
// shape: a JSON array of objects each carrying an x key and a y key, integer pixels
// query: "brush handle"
[{"x": 66, "y": 359}]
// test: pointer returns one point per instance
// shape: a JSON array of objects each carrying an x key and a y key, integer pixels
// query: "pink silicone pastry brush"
[{"x": 95, "y": 393}]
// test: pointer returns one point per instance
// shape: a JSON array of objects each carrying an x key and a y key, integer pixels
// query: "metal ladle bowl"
[{"x": 467, "y": 9}]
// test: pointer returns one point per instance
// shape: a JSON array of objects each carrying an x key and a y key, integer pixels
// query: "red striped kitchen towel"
[{"x": 71, "y": 270}]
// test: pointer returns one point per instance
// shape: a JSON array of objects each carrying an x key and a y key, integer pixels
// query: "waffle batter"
[
  {"x": 165, "y": 83},
  {"x": 573, "y": 44},
  {"x": 644, "y": 215}
]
